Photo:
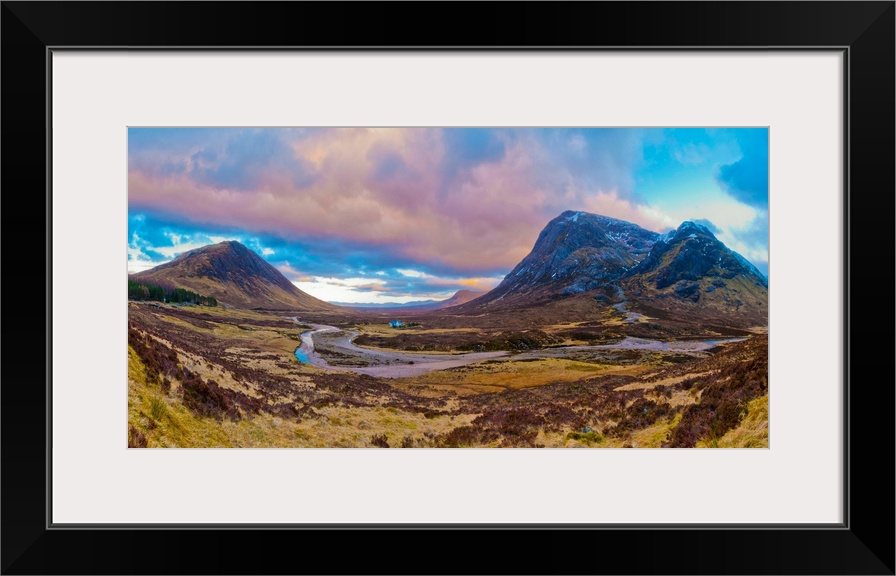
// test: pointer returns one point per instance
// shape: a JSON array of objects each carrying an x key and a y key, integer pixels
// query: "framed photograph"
[
  {"x": 387, "y": 287},
  {"x": 510, "y": 246}
]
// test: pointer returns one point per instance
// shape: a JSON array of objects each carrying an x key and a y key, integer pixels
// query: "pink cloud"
[{"x": 387, "y": 188}]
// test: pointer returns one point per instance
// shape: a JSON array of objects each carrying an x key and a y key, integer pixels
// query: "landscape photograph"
[{"x": 447, "y": 288}]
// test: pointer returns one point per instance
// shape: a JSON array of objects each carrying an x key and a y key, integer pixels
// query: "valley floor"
[{"x": 201, "y": 376}]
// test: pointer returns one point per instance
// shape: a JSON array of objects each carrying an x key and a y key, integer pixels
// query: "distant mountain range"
[
  {"x": 459, "y": 297},
  {"x": 687, "y": 275},
  {"x": 235, "y": 276}
]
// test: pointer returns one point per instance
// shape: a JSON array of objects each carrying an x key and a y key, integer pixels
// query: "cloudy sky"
[{"x": 404, "y": 214}]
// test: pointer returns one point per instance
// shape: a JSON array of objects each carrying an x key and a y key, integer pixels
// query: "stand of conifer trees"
[{"x": 140, "y": 291}]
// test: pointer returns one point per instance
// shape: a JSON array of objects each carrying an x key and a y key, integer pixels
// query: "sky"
[{"x": 389, "y": 215}]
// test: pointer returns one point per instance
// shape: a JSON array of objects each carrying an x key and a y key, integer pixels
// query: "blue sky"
[{"x": 395, "y": 215}]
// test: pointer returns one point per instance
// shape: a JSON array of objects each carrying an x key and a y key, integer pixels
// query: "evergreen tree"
[{"x": 139, "y": 291}]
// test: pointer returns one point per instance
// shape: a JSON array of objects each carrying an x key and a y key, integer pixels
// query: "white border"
[{"x": 96, "y": 479}]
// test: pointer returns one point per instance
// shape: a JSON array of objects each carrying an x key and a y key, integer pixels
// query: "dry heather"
[{"x": 227, "y": 378}]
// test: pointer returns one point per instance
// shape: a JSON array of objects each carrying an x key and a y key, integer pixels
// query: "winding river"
[{"x": 397, "y": 364}]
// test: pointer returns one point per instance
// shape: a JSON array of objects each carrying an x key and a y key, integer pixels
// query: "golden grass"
[
  {"x": 224, "y": 378},
  {"x": 182, "y": 323},
  {"x": 443, "y": 390},
  {"x": 258, "y": 336},
  {"x": 490, "y": 376},
  {"x": 385, "y": 330},
  {"x": 354, "y": 427},
  {"x": 650, "y": 437},
  {"x": 167, "y": 423},
  {"x": 240, "y": 314},
  {"x": 561, "y": 326},
  {"x": 752, "y": 432},
  {"x": 685, "y": 397},
  {"x": 654, "y": 436},
  {"x": 663, "y": 382}
]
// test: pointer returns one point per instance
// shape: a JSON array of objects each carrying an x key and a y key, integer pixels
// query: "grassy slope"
[
  {"x": 166, "y": 422},
  {"x": 639, "y": 403},
  {"x": 751, "y": 433}
]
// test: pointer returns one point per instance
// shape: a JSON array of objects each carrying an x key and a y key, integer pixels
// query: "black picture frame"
[{"x": 864, "y": 544}]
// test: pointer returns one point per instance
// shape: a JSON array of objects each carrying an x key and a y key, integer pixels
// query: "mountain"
[
  {"x": 387, "y": 305},
  {"x": 691, "y": 266},
  {"x": 234, "y": 275},
  {"x": 459, "y": 297},
  {"x": 686, "y": 275},
  {"x": 576, "y": 252}
]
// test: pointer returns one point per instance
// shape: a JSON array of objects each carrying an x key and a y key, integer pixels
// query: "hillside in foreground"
[{"x": 217, "y": 377}]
